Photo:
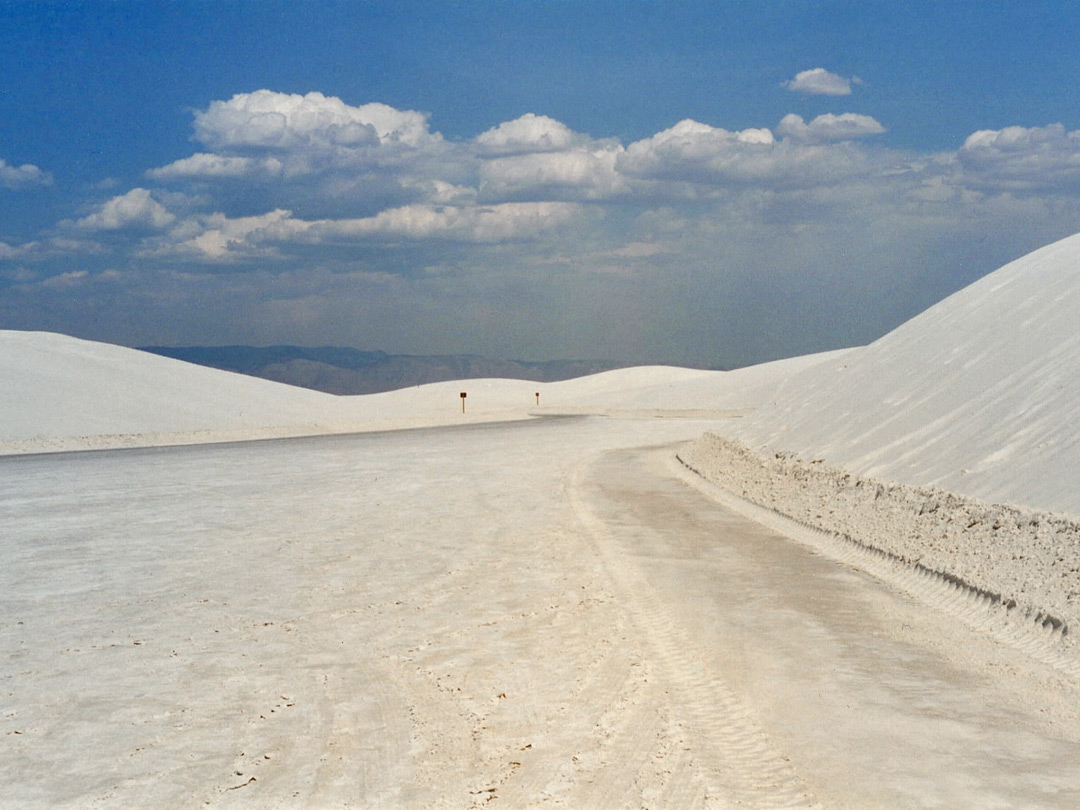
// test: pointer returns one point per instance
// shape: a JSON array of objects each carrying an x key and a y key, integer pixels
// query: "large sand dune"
[{"x": 980, "y": 394}]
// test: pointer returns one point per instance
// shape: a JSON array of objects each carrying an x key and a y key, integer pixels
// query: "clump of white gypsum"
[{"x": 1031, "y": 559}]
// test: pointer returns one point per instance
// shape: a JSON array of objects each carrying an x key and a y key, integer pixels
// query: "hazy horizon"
[{"x": 688, "y": 184}]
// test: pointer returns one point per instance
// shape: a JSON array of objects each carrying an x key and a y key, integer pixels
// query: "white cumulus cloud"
[
  {"x": 267, "y": 119},
  {"x": 206, "y": 165},
  {"x": 217, "y": 238},
  {"x": 485, "y": 223},
  {"x": 136, "y": 209},
  {"x": 690, "y": 147},
  {"x": 1021, "y": 158},
  {"x": 586, "y": 172},
  {"x": 317, "y": 151},
  {"x": 24, "y": 176},
  {"x": 820, "y": 82},
  {"x": 8, "y": 251},
  {"x": 50, "y": 248},
  {"x": 529, "y": 133},
  {"x": 829, "y": 127},
  {"x": 696, "y": 153}
]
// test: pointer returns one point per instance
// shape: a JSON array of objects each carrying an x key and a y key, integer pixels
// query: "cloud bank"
[
  {"x": 136, "y": 208},
  {"x": 1022, "y": 159},
  {"x": 365, "y": 226}
]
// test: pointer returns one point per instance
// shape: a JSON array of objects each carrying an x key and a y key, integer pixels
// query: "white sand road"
[{"x": 521, "y": 615}]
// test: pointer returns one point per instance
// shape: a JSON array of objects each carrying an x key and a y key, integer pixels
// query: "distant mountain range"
[{"x": 338, "y": 370}]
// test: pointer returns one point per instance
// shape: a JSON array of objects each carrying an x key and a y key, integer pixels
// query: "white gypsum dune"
[
  {"x": 979, "y": 395},
  {"x": 63, "y": 393}
]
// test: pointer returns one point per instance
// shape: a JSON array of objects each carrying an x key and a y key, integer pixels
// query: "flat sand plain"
[{"x": 536, "y": 614}]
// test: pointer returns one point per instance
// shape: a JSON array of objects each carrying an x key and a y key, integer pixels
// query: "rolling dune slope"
[
  {"x": 980, "y": 394},
  {"x": 57, "y": 386}
]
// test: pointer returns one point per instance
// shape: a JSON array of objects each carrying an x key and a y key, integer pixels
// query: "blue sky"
[{"x": 701, "y": 183}]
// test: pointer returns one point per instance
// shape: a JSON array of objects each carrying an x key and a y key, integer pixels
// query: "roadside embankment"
[{"x": 1030, "y": 558}]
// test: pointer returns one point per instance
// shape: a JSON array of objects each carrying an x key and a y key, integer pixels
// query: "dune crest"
[{"x": 980, "y": 394}]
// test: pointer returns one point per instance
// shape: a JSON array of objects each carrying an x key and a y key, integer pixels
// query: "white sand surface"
[
  {"x": 543, "y": 613},
  {"x": 979, "y": 395},
  {"x": 517, "y": 615}
]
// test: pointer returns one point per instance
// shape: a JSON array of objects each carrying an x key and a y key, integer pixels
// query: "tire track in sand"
[{"x": 730, "y": 755}]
